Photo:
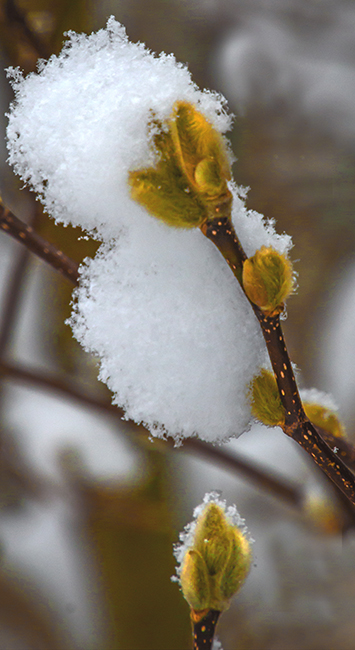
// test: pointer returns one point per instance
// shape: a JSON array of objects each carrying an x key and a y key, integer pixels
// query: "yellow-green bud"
[
  {"x": 217, "y": 563},
  {"x": 268, "y": 280},
  {"x": 325, "y": 418},
  {"x": 266, "y": 404},
  {"x": 188, "y": 183}
]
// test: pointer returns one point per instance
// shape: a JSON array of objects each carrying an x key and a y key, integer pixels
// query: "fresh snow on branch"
[{"x": 177, "y": 340}]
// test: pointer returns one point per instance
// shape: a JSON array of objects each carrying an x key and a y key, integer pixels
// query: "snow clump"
[{"x": 177, "y": 340}]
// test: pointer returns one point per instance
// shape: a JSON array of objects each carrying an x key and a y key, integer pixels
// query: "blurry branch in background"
[
  {"x": 16, "y": 19},
  {"x": 12, "y": 295},
  {"x": 275, "y": 485},
  {"x": 24, "y": 611},
  {"x": 33, "y": 30},
  {"x": 286, "y": 490},
  {"x": 17, "y": 478},
  {"x": 37, "y": 245}
]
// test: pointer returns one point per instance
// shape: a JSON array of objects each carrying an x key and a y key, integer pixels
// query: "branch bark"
[{"x": 221, "y": 232}]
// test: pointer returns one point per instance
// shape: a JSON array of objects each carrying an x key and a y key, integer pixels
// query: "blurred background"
[{"x": 89, "y": 507}]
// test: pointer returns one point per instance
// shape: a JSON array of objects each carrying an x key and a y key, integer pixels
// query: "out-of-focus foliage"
[
  {"x": 27, "y": 620},
  {"x": 129, "y": 529}
]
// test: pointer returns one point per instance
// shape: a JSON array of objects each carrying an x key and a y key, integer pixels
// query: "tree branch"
[
  {"x": 221, "y": 232},
  {"x": 204, "y": 630}
]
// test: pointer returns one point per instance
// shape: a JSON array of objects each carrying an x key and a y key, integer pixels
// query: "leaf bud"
[
  {"x": 266, "y": 404},
  {"x": 217, "y": 563},
  {"x": 188, "y": 183},
  {"x": 268, "y": 280}
]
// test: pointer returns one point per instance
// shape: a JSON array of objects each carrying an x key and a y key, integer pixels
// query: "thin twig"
[
  {"x": 221, "y": 232},
  {"x": 204, "y": 630},
  {"x": 25, "y": 234},
  {"x": 276, "y": 485}
]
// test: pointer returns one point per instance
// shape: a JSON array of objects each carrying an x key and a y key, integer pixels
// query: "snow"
[
  {"x": 177, "y": 340},
  {"x": 315, "y": 396}
]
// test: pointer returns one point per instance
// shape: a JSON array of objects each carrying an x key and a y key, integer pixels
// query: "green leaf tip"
[
  {"x": 188, "y": 183},
  {"x": 266, "y": 404},
  {"x": 216, "y": 564},
  {"x": 268, "y": 280}
]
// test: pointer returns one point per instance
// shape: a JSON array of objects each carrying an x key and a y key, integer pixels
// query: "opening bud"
[
  {"x": 188, "y": 183},
  {"x": 268, "y": 280},
  {"x": 216, "y": 564}
]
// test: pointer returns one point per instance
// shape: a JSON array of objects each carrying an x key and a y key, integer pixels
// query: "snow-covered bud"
[
  {"x": 188, "y": 183},
  {"x": 325, "y": 418},
  {"x": 216, "y": 560},
  {"x": 268, "y": 280},
  {"x": 266, "y": 404},
  {"x": 321, "y": 410}
]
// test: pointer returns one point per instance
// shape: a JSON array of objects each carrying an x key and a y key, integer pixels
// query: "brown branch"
[
  {"x": 221, "y": 232},
  {"x": 340, "y": 446},
  {"x": 274, "y": 484},
  {"x": 26, "y": 235}
]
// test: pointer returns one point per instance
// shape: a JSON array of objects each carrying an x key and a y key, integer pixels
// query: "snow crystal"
[
  {"x": 216, "y": 644},
  {"x": 176, "y": 338}
]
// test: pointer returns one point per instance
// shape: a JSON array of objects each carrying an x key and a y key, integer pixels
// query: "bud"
[
  {"x": 266, "y": 404},
  {"x": 268, "y": 280},
  {"x": 216, "y": 562},
  {"x": 325, "y": 418},
  {"x": 188, "y": 183}
]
